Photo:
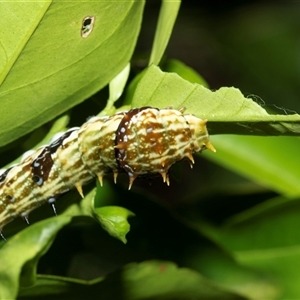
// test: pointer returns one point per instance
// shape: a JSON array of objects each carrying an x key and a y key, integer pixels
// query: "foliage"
[{"x": 211, "y": 235}]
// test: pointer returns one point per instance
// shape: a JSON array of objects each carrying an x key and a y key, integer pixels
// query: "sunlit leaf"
[{"x": 52, "y": 67}]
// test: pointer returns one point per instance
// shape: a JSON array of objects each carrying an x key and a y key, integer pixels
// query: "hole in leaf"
[{"x": 87, "y": 26}]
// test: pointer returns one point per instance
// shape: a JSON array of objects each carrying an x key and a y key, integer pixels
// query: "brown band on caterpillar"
[
  {"x": 139, "y": 142},
  {"x": 124, "y": 137},
  {"x": 58, "y": 142},
  {"x": 41, "y": 166},
  {"x": 4, "y": 174}
]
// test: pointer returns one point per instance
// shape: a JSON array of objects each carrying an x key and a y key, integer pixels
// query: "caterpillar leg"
[
  {"x": 2, "y": 236},
  {"x": 52, "y": 201}
]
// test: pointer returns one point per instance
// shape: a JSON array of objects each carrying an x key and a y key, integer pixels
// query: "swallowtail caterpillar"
[{"x": 140, "y": 141}]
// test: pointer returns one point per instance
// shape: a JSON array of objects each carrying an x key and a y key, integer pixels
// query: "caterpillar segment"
[{"x": 141, "y": 141}]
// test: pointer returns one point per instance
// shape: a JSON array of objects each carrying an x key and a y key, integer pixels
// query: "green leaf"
[
  {"x": 266, "y": 237},
  {"x": 167, "y": 17},
  {"x": 53, "y": 67},
  {"x": 164, "y": 280},
  {"x": 22, "y": 251},
  {"x": 114, "y": 220},
  {"x": 283, "y": 264},
  {"x": 186, "y": 72},
  {"x": 116, "y": 87},
  {"x": 159, "y": 280},
  {"x": 269, "y": 161},
  {"x": 20, "y": 18},
  {"x": 232, "y": 275},
  {"x": 227, "y": 110},
  {"x": 19, "y": 256}
]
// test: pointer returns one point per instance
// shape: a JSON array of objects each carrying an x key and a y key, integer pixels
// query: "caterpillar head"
[{"x": 200, "y": 137}]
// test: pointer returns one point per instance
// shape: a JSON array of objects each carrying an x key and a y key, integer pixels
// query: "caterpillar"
[{"x": 141, "y": 141}]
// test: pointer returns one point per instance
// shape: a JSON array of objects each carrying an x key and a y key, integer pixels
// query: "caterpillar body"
[{"x": 139, "y": 141}]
